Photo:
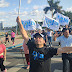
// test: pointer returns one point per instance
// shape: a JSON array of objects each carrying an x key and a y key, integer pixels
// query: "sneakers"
[
  {"x": 59, "y": 45},
  {"x": 4, "y": 70},
  {"x": 13, "y": 43},
  {"x": 51, "y": 45}
]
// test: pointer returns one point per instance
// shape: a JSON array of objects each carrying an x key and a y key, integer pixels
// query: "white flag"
[
  {"x": 38, "y": 27},
  {"x": 51, "y": 23},
  {"x": 29, "y": 24},
  {"x": 63, "y": 20}
]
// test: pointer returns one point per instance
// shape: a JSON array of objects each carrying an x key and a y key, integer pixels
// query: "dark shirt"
[
  {"x": 59, "y": 32},
  {"x": 44, "y": 33},
  {"x": 69, "y": 30},
  {"x": 6, "y": 35},
  {"x": 40, "y": 58}
]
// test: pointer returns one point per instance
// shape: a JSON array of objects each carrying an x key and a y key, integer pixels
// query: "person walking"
[
  {"x": 2, "y": 57},
  {"x": 40, "y": 55},
  {"x": 66, "y": 41},
  {"x": 12, "y": 36},
  {"x": 45, "y": 35},
  {"x": 6, "y": 37},
  {"x": 49, "y": 36},
  {"x": 26, "y": 51},
  {"x": 59, "y": 34}
]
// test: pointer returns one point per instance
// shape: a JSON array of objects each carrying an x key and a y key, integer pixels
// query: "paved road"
[{"x": 15, "y": 63}]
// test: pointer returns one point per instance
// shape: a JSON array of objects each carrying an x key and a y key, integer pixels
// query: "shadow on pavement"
[{"x": 57, "y": 66}]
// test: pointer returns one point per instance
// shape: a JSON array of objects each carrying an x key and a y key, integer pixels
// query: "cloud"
[
  {"x": 2, "y": 13},
  {"x": 39, "y": 7},
  {"x": 34, "y": 12},
  {"x": 3, "y": 3},
  {"x": 6, "y": 17},
  {"x": 24, "y": 13},
  {"x": 69, "y": 9},
  {"x": 29, "y": 1},
  {"x": 35, "y": 7},
  {"x": 2, "y": 20}
]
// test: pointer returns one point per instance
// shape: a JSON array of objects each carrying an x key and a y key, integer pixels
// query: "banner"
[
  {"x": 29, "y": 24},
  {"x": 51, "y": 23},
  {"x": 38, "y": 27},
  {"x": 63, "y": 20}
]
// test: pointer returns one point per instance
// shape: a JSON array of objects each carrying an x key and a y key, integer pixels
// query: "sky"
[{"x": 29, "y": 9}]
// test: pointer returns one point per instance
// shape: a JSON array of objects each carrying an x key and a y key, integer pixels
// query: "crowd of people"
[
  {"x": 38, "y": 55},
  {"x": 3, "y": 50},
  {"x": 12, "y": 37}
]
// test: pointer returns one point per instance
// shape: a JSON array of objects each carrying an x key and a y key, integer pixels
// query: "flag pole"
[{"x": 18, "y": 14}]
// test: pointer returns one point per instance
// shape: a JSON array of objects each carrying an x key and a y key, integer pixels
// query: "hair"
[
  {"x": 64, "y": 29},
  {"x": 32, "y": 31},
  {"x": 43, "y": 31}
]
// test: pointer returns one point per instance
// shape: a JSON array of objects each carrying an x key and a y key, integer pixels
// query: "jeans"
[
  {"x": 65, "y": 65},
  {"x": 65, "y": 62},
  {"x": 70, "y": 65},
  {"x": 50, "y": 40}
]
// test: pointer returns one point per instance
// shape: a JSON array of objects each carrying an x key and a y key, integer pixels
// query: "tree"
[{"x": 53, "y": 6}]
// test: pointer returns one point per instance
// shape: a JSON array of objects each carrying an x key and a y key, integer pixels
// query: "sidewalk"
[{"x": 18, "y": 41}]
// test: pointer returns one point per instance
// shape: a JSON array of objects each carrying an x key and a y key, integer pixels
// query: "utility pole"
[{"x": 18, "y": 14}]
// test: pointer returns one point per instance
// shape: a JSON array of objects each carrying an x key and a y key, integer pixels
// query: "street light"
[{"x": 18, "y": 14}]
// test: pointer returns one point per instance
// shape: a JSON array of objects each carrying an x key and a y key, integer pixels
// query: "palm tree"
[{"x": 53, "y": 6}]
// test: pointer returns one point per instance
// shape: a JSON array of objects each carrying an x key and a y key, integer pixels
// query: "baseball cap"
[
  {"x": 64, "y": 29},
  {"x": 38, "y": 34}
]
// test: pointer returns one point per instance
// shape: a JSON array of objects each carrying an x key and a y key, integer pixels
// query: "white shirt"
[
  {"x": 65, "y": 42},
  {"x": 49, "y": 33}
]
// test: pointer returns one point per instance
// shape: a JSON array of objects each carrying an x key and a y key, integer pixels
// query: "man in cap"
[
  {"x": 40, "y": 55},
  {"x": 66, "y": 41}
]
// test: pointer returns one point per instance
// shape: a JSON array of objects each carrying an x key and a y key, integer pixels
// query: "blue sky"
[{"x": 29, "y": 9}]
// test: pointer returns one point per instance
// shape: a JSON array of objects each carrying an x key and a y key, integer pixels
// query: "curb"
[{"x": 14, "y": 46}]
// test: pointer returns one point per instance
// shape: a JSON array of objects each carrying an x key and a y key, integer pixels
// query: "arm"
[
  {"x": 52, "y": 32},
  {"x": 55, "y": 36},
  {"x": 8, "y": 36},
  {"x": 22, "y": 30},
  {"x": 64, "y": 50},
  {"x": 46, "y": 38},
  {"x": 5, "y": 54}
]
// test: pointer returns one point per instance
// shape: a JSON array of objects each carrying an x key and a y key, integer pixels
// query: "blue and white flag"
[
  {"x": 63, "y": 20},
  {"x": 38, "y": 26},
  {"x": 29, "y": 24},
  {"x": 51, "y": 23}
]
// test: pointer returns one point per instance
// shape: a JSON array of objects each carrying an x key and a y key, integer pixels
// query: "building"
[{"x": 1, "y": 26}]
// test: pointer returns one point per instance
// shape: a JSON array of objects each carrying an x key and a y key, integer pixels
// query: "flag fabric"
[
  {"x": 51, "y": 23},
  {"x": 63, "y": 20},
  {"x": 38, "y": 26},
  {"x": 29, "y": 24}
]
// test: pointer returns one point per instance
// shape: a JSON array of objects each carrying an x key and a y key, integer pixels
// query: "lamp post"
[{"x": 18, "y": 14}]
